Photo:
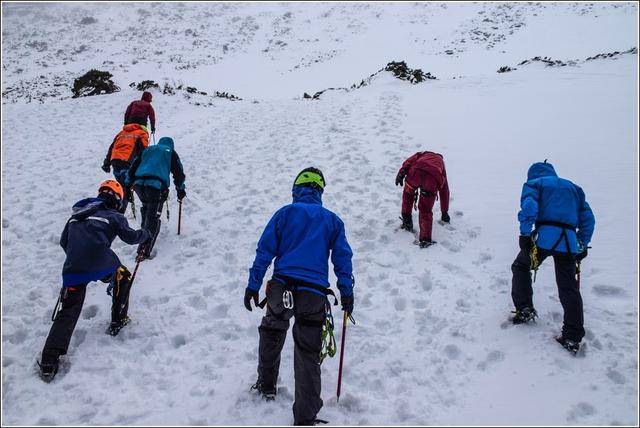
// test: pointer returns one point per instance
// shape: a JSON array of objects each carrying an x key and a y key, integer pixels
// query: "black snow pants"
[
  {"x": 310, "y": 314},
  {"x": 71, "y": 302},
  {"x": 570, "y": 298},
  {"x": 152, "y": 202}
]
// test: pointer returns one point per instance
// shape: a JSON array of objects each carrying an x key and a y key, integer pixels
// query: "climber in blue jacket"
[
  {"x": 555, "y": 220},
  {"x": 300, "y": 237}
]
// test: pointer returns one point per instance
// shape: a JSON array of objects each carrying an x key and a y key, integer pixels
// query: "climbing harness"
[{"x": 535, "y": 261}]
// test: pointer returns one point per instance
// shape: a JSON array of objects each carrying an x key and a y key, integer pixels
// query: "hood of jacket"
[
  {"x": 146, "y": 96},
  {"x": 85, "y": 207},
  {"x": 541, "y": 169},
  {"x": 166, "y": 141},
  {"x": 307, "y": 195}
]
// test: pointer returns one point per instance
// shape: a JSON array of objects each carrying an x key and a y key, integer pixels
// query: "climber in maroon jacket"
[
  {"x": 424, "y": 177},
  {"x": 138, "y": 112}
]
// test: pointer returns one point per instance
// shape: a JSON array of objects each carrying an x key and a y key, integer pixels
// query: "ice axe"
[{"x": 345, "y": 320}]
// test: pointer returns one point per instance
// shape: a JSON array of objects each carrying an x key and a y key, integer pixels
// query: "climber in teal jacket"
[{"x": 149, "y": 175}]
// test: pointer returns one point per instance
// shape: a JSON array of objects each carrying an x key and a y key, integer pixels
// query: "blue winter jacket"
[
  {"x": 549, "y": 198},
  {"x": 87, "y": 238},
  {"x": 300, "y": 236},
  {"x": 153, "y": 166}
]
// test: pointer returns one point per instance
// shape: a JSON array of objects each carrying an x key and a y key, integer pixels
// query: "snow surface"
[{"x": 431, "y": 345}]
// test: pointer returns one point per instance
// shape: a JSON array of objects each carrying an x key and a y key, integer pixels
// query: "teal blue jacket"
[{"x": 153, "y": 166}]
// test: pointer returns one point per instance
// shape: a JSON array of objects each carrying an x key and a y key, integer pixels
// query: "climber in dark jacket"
[{"x": 86, "y": 240}]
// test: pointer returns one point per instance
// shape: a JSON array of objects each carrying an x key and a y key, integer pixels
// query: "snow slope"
[{"x": 431, "y": 345}]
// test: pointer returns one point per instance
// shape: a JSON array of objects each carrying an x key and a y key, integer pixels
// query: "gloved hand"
[
  {"x": 153, "y": 131},
  {"x": 582, "y": 255},
  {"x": 525, "y": 243},
  {"x": 181, "y": 194},
  {"x": 347, "y": 304},
  {"x": 445, "y": 217},
  {"x": 130, "y": 195},
  {"x": 248, "y": 295},
  {"x": 400, "y": 179},
  {"x": 106, "y": 167}
]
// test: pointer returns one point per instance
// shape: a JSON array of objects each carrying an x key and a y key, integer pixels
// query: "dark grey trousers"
[
  {"x": 309, "y": 313},
  {"x": 570, "y": 298},
  {"x": 71, "y": 307}
]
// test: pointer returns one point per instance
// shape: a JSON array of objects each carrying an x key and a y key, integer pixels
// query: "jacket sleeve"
[
  {"x": 64, "y": 237},
  {"x": 341, "y": 255},
  {"x": 444, "y": 192},
  {"x": 127, "y": 234},
  {"x": 177, "y": 171},
  {"x": 586, "y": 220},
  {"x": 107, "y": 160},
  {"x": 528, "y": 207},
  {"x": 152, "y": 118},
  {"x": 131, "y": 173},
  {"x": 266, "y": 250},
  {"x": 127, "y": 113},
  {"x": 404, "y": 169}
]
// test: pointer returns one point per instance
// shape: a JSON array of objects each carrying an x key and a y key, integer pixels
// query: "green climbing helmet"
[{"x": 310, "y": 177}]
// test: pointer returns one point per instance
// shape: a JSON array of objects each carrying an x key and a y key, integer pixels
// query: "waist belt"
[
  {"x": 293, "y": 284},
  {"x": 555, "y": 223}
]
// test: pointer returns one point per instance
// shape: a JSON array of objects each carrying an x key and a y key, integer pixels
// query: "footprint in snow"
[
  {"x": 602, "y": 290},
  {"x": 482, "y": 259},
  {"x": 178, "y": 341},
  {"x": 90, "y": 312},
  {"x": 581, "y": 410},
  {"x": 492, "y": 358},
  {"x": 452, "y": 352},
  {"x": 615, "y": 376}
]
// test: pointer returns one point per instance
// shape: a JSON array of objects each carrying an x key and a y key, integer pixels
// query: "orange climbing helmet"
[{"x": 114, "y": 186}]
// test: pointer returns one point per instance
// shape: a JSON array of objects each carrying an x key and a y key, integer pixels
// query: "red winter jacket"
[
  {"x": 138, "y": 111},
  {"x": 426, "y": 170}
]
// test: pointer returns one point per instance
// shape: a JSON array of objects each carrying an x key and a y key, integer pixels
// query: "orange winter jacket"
[{"x": 128, "y": 144}]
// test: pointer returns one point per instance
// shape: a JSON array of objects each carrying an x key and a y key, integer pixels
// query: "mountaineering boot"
[
  {"x": 424, "y": 243},
  {"x": 569, "y": 344},
  {"x": 524, "y": 315},
  {"x": 268, "y": 393},
  {"x": 407, "y": 222},
  {"x": 49, "y": 364},
  {"x": 115, "y": 327},
  {"x": 312, "y": 422}
]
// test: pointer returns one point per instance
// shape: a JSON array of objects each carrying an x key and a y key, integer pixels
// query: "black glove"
[
  {"x": 106, "y": 167},
  {"x": 347, "y": 304},
  {"x": 400, "y": 179},
  {"x": 248, "y": 295},
  {"x": 581, "y": 255},
  {"x": 445, "y": 217},
  {"x": 153, "y": 131},
  {"x": 182, "y": 194},
  {"x": 130, "y": 196},
  {"x": 525, "y": 243}
]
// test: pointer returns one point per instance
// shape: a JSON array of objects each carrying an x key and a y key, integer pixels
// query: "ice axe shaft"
[
  {"x": 179, "y": 215},
  {"x": 345, "y": 319}
]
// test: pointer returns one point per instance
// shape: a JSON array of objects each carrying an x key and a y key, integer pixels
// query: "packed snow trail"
[{"x": 431, "y": 345}]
